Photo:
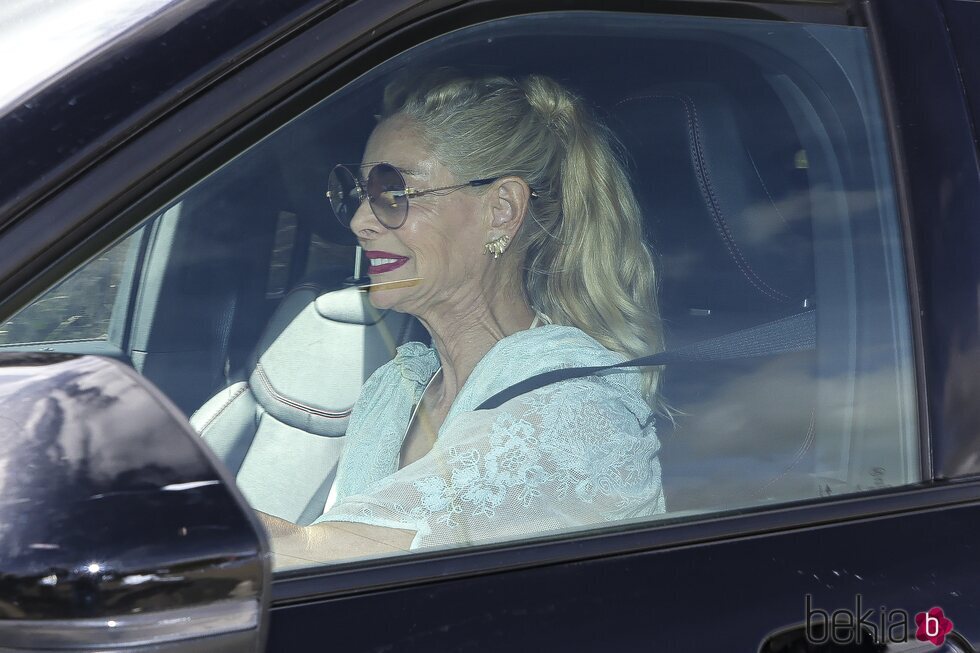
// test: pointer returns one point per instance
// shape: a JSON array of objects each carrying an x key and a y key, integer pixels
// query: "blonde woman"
[{"x": 502, "y": 208}]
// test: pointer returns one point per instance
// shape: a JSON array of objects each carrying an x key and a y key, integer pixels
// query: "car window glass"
[
  {"x": 674, "y": 180},
  {"x": 81, "y": 306}
]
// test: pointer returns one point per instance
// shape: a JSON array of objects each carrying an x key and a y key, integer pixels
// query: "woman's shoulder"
[
  {"x": 555, "y": 346},
  {"x": 545, "y": 348}
]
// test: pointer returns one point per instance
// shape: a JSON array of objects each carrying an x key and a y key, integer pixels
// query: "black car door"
[{"x": 787, "y": 158}]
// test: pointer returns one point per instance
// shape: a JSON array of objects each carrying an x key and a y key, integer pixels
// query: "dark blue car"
[{"x": 184, "y": 336}]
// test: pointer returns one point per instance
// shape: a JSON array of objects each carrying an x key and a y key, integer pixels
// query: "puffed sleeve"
[{"x": 565, "y": 456}]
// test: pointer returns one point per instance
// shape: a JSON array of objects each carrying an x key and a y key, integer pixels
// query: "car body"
[{"x": 91, "y": 150}]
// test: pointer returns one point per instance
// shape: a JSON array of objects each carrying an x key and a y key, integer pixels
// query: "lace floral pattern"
[
  {"x": 479, "y": 483},
  {"x": 571, "y": 454}
]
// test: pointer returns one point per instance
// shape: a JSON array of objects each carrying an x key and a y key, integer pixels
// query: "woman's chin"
[
  {"x": 379, "y": 298},
  {"x": 389, "y": 291},
  {"x": 386, "y": 298}
]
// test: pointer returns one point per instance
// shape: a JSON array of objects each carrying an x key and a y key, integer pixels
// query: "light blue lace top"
[{"x": 571, "y": 454}]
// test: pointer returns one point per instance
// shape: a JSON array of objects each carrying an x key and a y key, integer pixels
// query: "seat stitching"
[
  {"x": 707, "y": 191},
  {"x": 228, "y": 403},
  {"x": 295, "y": 404},
  {"x": 722, "y": 224}
]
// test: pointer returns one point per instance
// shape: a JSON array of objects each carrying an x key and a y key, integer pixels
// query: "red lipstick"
[{"x": 380, "y": 262}]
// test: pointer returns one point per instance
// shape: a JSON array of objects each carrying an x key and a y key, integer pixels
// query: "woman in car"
[{"x": 499, "y": 215}]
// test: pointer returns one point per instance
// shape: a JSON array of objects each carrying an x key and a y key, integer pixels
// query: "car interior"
[{"x": 764, "y": 195}]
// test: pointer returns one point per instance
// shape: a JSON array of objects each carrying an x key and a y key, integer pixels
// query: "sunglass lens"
[
  {"x": 343, "y": 194},
  {"x": 386, "y": 191}
]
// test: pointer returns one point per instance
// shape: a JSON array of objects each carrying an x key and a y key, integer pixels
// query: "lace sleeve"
[{"x": 564, "y": 456}]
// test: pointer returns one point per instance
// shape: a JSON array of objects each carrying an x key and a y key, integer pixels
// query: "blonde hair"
[{"x": 585, "y": 263}]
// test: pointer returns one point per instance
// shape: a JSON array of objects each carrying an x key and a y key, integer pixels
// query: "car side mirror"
[{"x": 118, "y": 528}]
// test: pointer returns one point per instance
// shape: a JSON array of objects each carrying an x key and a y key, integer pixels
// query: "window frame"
[
  {"x": 120, "y": 316},
  {"x": 253, "y": 100}
]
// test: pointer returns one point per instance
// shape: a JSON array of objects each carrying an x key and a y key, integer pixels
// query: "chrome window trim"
[{"x": 145, "y": 628}]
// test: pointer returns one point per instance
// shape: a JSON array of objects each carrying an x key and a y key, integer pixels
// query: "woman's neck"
[{"x": 463, "y": 336}]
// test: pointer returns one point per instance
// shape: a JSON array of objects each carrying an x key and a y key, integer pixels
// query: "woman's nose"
[{"x": 364, "y": 223}]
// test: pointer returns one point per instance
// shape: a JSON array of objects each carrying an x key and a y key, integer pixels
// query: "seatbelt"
[{"x": 794, "y": 333}]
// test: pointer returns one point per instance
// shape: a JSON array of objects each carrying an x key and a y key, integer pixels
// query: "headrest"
[
  {"x": 723, "y": 188},
  {"x": 349, "y": 305},
  {"x": 316, "y": 353}
]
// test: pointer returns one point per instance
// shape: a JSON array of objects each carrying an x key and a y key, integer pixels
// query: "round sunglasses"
[{"x": 385, "y": 190}]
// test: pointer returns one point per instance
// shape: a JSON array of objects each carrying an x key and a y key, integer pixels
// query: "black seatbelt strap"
[{"x": 794, "y": 333}]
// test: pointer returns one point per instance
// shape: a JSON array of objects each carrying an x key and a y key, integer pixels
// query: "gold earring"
[{"x": 496, "y": 246}]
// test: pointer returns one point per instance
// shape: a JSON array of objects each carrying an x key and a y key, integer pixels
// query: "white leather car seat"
[{"x": 281, "y": 431}]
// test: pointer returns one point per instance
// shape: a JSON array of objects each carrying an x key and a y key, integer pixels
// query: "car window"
[
  {"x": 81, "y": 306},
  {"x": 526, "y": 195}
]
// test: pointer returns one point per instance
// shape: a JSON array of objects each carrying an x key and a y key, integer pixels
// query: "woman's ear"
[{"x": 508, "y": 204}]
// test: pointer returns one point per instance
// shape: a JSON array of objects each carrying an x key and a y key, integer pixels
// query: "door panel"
[{"x": 721, "y": 596}]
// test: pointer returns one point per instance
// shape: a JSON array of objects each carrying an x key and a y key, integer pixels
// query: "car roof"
[
  {"x": 107, "y": 67},
  {"x": 40, "y": 39},
  {"x": 134, "y": 66}
]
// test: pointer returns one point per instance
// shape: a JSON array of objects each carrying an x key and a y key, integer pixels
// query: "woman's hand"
[{"x": 295, "y": 545}]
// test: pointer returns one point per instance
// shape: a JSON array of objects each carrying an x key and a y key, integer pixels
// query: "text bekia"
[{"x": 845, "y": 626}]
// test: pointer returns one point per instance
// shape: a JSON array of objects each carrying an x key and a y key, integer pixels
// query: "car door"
[{"x": 819, "y": 153}]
